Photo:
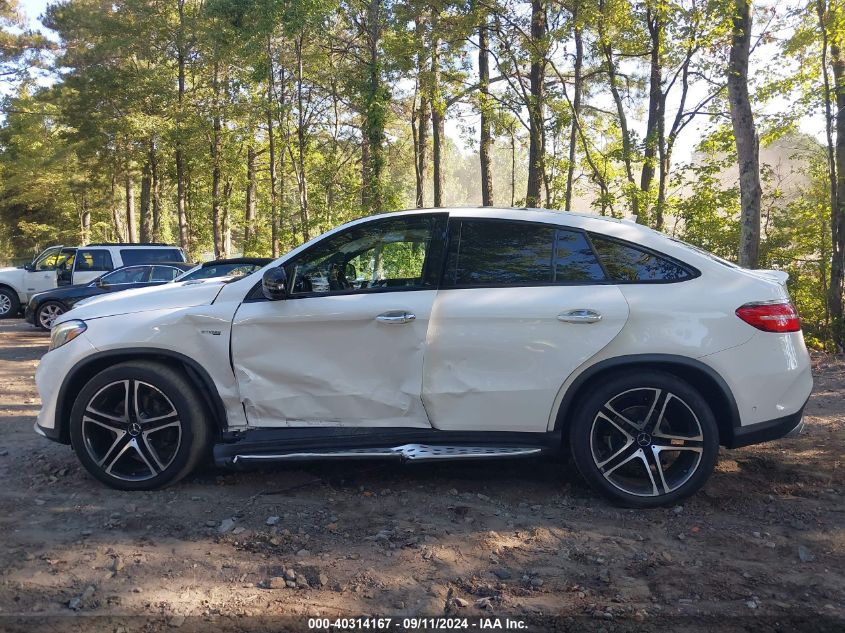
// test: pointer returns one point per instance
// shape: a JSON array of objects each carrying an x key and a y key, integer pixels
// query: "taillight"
[{"x": 777, "y": 316}]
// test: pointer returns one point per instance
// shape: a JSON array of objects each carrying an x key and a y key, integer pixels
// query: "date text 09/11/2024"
[{"x": 416, "y": 624}]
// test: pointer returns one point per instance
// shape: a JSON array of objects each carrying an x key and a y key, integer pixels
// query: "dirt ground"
[{"x": 761, "y": 547}]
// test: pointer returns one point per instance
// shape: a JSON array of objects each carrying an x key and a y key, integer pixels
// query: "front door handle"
[
  {"x": 581, "y": 315},
  {"x": 396, "y": 317}
]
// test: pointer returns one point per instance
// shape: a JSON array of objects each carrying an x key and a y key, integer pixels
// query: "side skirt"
[{"x": 258, "y": 446}]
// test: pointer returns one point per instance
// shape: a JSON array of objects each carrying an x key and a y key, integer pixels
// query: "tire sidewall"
[
  {"x": 579, "y": 436},
  {"x": 41, "y": 307},
  {"x": 172, "y": 385},
  {"x": 15, "y": 303}
]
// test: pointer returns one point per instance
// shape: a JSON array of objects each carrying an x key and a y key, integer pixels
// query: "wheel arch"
[
  {"x": 705, "y": 379},
  {"x": 6, "y": 286},
  {"x": 95, "y": 363}
]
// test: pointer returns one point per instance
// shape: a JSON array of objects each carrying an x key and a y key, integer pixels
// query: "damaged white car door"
[{"x": 346, "y": 345}]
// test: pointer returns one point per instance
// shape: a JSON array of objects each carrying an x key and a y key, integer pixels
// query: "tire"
[
  {"x": 160, "y": 441},
  {"x": 644, "y": 440},
  {"x": 10, "y": 305},
  {"x": 47, "y": 313}
]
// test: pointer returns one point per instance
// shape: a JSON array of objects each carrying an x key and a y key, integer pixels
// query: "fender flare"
[
  {"x": 98, "y": 361},
  {"x": 657, "y": 361}
]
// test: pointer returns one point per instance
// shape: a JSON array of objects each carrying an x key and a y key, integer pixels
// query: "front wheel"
[
  {"x": 139, "y": 426},
  {"x": 47, "y": 314},
  {"x": 9, "y": 303},
  {"x": 645, "y": 440}
]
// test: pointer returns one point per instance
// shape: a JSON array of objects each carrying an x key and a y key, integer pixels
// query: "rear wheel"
[
  {"x": 9, "y": 303},
  {"x": 645, "y": 440},
  {"x": 139, "y": 426},
  {"x": 47, "y": 314}
]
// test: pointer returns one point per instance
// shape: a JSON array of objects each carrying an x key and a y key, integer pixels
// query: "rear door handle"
[
  {"x": 396, "y": 317},
  {"x": 580, "y": 315}
]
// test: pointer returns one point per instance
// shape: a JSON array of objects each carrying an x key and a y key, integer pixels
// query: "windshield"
[{"x": 231, "y": 269}]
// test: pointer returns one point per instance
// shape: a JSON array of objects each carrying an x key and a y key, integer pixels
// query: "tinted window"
[
  {"x": 150, "y": 255},
  {"x": 627, "y": 263},
  {"x": 574, "y": 259},
  {"x": 165, "y": 273},
  {"x": 381, "y": 254},
  {"x": 93, "y": 259},
  {"x": 499, "y": 252},
  {"x": 133, "y": 275}
]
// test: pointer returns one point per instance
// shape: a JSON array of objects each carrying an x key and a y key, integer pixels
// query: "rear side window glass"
[
  {"x": 134, "y": 275},
  {"x": 150, "y": 255},
  {"x": 574, "y": 259},
  {"x": 165, "y": 273},
  {"x": 93, "y": 259},
  {"x": 497, "y": 253},
  {"x": 628, "y": 263},
  {"x": 504, "y": 253}
]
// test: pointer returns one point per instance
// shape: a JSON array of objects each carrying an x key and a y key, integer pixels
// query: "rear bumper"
[{"x": 787, "y": 426}]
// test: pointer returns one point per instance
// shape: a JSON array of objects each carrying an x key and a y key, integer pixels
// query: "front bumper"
[
  {"x": 29, "y": 313},
  {"x": 49, "y": 376}
]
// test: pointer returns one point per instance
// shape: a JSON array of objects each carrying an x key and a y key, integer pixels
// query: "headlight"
[{"x": 66, "y": 332}]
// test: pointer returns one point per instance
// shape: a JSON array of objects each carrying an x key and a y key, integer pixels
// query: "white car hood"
[
  {"x": 169, "y": 296},
  {"x": 9, "y": 272}
]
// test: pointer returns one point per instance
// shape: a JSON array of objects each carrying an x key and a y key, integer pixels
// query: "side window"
[
  {"x": 165, "y": 273},
  {"x": 150, "y": 255},
  {"x": 625, "y": 262},
  {"x": 574, "y": 259},
  {"x": 381, "y": 254},
  {"x": 132, "y": 275},
  {"x": 505, "y": 253},
  {"x": 93, "y": 259}
]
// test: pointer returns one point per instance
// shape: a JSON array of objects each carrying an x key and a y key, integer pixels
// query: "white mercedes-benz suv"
[{"x": 439, "y": 334}]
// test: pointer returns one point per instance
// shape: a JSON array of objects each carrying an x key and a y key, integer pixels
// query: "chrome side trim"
[{"x": 406, "y": 452}]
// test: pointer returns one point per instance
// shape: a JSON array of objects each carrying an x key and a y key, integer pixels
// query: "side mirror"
[
  {"x": 102, "y": 283},
  {"x": 274, "y": 283},
  {"x": 28, "y": 267}
]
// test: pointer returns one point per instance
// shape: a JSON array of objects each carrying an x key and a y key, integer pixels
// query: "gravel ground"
[{"x": 761, "y": 547}]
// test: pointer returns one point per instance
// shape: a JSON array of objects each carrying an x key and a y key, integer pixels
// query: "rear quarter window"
[
  {"x": 150, "y": 255},
  {"x": 627, "y": 263}
]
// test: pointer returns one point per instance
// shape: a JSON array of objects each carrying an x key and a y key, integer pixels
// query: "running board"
[{"x": 404, "y": 453}]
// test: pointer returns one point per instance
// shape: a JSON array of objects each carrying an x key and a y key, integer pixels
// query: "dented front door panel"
[{"x": 331, "y": 361}]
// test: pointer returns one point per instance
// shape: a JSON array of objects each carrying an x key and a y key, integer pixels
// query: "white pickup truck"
[{"x": 69, "y": 265}]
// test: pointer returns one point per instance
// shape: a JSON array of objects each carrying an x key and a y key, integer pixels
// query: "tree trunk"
[
  {"x": 837, "y": 214},
  {"x": 654, "y": 123},
  {"x": 486, "y": 139},
  {"x": 302, "y": 182},
  {"x": 576, "y": 109},
  {"x": 437, "y": 114},
  {"x": 130, "y": 208},
  {"x": 274, "y": 210},
  {"x": 181, "y": 207},
  {"x": 144, "y": 211},
  {"x": 84, "y": 219},
  {"x": 155, "y": 192},
  {"x": 117, "y": 218},
  {"x": 421, "y": 122},
  {"x": 251, "y": 200},
  {"x": 217, "y": 127},
  {"x": 745, "y": 133},
  {"x": 536, "y": 117},
  {"x": 377, "y": 99}
]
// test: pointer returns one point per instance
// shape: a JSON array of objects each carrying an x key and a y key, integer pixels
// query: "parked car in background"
[
  {"x": 235, "y": 267},
  {"x": 438, "y": 335},
  {"x": 44, "y": 308},
  {"x": 74, "y": 265}
]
